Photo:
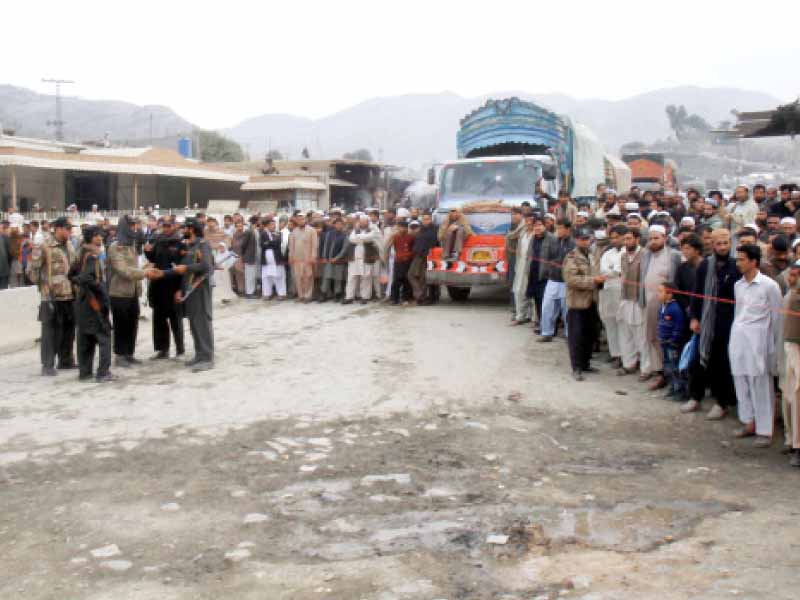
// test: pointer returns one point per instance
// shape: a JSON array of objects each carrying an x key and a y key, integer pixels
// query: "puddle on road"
[{"x": 629, "y": 527}]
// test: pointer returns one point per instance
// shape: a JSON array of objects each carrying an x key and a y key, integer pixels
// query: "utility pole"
[{"x": 58, "y": 123}]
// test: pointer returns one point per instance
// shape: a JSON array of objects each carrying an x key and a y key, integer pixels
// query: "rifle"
[{"x": 196, "y": 284}]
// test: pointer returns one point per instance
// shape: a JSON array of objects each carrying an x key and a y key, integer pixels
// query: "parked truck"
[
  {"x": 651, "y": 171},
  {"x": 509, "y": 151}
]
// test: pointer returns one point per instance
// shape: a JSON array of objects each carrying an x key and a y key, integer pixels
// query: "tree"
[
  {"x": 217, "y": 148},
  {"x": 686, "y": 126},
  {"x": 275, "y": 155},
  {"x": 360, "y": 154},
  {"x": 306, "y": 153}
]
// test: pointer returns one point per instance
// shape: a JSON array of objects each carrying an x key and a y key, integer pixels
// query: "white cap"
[
  {"x": 632, "y": 206},
  {"x": 582, "y": 213},
  {"x": 402, "y": 213},
  {"x": 550, "y": 216},
  {"x": 752, "y": 226},
  {"x": 414, "y": 224},
  {"x": 688, "y": 220},
  {"x": 611, "y": 191},
  {"x": 795, "y": 243},
  {"x": 635, "y": 214},
  {"x": 658, "y": 229},
  {"x": 600, "y": 234},
  {"x": 788, "y": 221}
]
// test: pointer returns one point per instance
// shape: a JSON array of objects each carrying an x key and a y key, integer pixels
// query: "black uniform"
[
  {"x": 94, "y": 326},
  {"x": 167, "y": 314},
  {"x": 196, "y": 289}
]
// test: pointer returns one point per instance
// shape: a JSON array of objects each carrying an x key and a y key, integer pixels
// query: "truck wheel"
[{"x": 458, "y": 294}]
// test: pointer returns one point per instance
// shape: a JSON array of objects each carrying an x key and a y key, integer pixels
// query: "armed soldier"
[
  {"x": 163, "y": 251},
  {"x": 125, "y": 288},
  {"x": 49, "y": 267},
  {"x": 195, "y": 268},
  {"x": 92, "y": 308}
]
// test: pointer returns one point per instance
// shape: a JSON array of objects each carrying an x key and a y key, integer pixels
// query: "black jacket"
[
  {"x": 273, "y": 244},
  {"x": 87, "y": 274},
  {"x": 165, "y": 252},
  {"x": 556, "y": 252},
  {"x": 727, "y": 276}
]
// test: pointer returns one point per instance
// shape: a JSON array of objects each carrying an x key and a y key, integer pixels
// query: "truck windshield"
[{"x": 490, "y": 179}]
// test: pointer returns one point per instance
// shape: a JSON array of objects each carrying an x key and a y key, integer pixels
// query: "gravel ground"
[{"x": 379, "y": 453}]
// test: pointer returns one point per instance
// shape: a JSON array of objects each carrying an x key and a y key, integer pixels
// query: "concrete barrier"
[{"x": 19, "y": 327}]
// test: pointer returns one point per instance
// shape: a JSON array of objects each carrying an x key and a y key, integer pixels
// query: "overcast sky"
[{"x": 218, "y": 63}]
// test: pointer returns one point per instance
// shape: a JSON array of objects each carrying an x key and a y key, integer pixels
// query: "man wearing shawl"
[
  {"x": 712, "y": 317},
  {"x": 334, "y": 261},
  {"x": 659, "y": 264}
]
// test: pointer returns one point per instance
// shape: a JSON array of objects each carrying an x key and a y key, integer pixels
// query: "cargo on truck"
[{"x": 652, "y": 171}]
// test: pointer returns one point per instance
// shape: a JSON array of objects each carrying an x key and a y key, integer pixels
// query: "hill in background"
[{"x": 411, "y": 130}]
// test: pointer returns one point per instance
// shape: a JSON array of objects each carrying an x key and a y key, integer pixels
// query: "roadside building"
[
  {"x": 315, "y": 184},
  {"x": 54, "y": 175}
]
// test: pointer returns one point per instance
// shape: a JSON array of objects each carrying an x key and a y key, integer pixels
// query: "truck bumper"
[{"x": 464, "y": 278}]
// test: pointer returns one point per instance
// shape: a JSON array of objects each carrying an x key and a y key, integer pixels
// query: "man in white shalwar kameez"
[
  {"x": 610, "y": 294},
  {"x": 753, "y": 346},
  {"x": 523, "y": 304},
  {"x": 363, "y": 259},
  {"x": 273, "y": 270}
]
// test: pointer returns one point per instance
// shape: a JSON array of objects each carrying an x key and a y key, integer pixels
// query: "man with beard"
[
  {"x": 303, "y": 249},
  {"x": 164, "y": 252},
  {"x": 712, "y": 313},
  {"x": 49, "y": 267},
  {"x": 194, "y": 293},
  {"x": 659, "y": 265},
  {"x": 363, "y": 258},
  {"x": 785, "y": 206},
  {"x": 453, "y": 233},
  {"x": 630, "y": 315},
  {"x": 425, "y": 240},
  {"x": 251, "y": 249},
  {"x": 610, "y": 295},
  {"x": 125, "y": 289},
  {"x": 92, "y": 308},
  {"x": 334, "y": 261},
  {"x": 777, "y": 261}
]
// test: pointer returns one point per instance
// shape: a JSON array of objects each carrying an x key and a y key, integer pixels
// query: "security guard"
[
  {"x": 164, "y": 251},
  {"x": 195, "y": 268},
  {"x": 49, "y": 267}
]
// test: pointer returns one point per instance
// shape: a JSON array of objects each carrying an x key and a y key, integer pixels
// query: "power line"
[{"x": 58, "y": 123}]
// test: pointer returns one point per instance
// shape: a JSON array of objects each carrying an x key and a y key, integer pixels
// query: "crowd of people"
[{"x": 689, "y": 293}]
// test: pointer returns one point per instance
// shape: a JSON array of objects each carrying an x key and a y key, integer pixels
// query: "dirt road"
[{"x": 378, "y": 453}]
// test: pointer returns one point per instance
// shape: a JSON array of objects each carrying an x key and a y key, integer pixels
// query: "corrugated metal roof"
[
  {"x": 68, "y": 162},
  {"x": 287, "y": 184}
]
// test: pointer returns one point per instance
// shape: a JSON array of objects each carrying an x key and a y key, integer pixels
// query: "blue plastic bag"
[{"x": 688, "y": 354}]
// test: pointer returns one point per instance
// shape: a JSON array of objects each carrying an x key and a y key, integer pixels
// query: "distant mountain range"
[
  {"x": 410, "y": 130},
  {"x": 28, "y": 113}
]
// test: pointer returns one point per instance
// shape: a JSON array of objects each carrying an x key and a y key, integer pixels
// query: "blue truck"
[{"x": 509, "y": 151}]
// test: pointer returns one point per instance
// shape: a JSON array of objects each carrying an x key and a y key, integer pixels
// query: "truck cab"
[{"x": 485, "y": 190}]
